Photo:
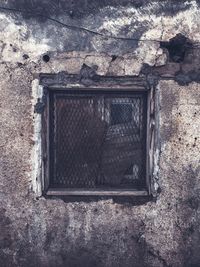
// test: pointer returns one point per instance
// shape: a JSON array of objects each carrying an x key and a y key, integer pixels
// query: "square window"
[
  {"x": 96, "y": 142},
  {"x": 99, "y": 135}
]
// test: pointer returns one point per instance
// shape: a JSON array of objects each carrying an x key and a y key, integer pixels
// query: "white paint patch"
[
  {"x": 18, "y": 37},
  {"x": 36, "y": 155}
]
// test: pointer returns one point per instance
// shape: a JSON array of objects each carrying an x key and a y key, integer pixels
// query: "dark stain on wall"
[
  {"x": 5, "y": 237},
  {"x": 80, "y": 8},
  {"x": 177, "y": 48},
  {"x": 185, "y": 78}
]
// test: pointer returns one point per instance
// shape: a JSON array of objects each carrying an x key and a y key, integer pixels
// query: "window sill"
[{"x": 92, "y": 192}]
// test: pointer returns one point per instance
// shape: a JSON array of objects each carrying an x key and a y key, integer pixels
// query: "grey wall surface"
[{"x": 121, "y": 38}]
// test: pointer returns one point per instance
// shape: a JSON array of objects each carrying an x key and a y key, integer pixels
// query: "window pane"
[
  {"x": 121, "y": 113},
  {"x": 98, "y": 140}
]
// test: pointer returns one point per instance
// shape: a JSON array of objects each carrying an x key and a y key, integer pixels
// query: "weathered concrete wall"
[{"x": 35, "y": 231}]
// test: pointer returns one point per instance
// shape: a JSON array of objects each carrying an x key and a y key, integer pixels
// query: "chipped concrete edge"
[
  {"x": 36, "y": 154},
  {"x": 157, "y": 146}
]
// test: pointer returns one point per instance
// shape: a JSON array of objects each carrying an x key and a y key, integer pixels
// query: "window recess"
[{"x": 97, "y": 140}]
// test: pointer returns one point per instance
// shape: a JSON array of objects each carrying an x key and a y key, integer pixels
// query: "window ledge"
[{"x": 92, "y": 192}]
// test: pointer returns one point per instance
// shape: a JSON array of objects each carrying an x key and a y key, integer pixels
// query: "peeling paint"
[{"x": 36, "y": 158}]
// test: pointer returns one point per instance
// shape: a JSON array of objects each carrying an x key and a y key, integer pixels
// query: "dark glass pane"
[
  {"x": 97, "y": 140},
  {"x": 121, "y": 113}
]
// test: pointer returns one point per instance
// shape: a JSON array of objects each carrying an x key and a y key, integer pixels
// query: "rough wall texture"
[{"x": 50, "y": 232}]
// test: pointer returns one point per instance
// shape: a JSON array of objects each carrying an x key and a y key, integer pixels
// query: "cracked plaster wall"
[{"x": 50, "y": 232}]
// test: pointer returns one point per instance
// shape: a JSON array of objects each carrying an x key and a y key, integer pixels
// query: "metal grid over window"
[{"x": 97, "y": 140}]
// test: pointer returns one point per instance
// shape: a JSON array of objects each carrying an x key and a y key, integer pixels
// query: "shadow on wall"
[{"x": 80, "y": 8}]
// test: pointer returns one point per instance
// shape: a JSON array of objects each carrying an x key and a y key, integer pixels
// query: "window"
[{"x": 96, "y": 142}]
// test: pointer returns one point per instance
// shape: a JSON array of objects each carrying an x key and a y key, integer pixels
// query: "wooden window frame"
[{"x": 64, "y": 81}]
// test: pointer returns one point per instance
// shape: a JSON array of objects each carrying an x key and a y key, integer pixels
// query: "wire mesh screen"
[{"x": 97, "y": 140}]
